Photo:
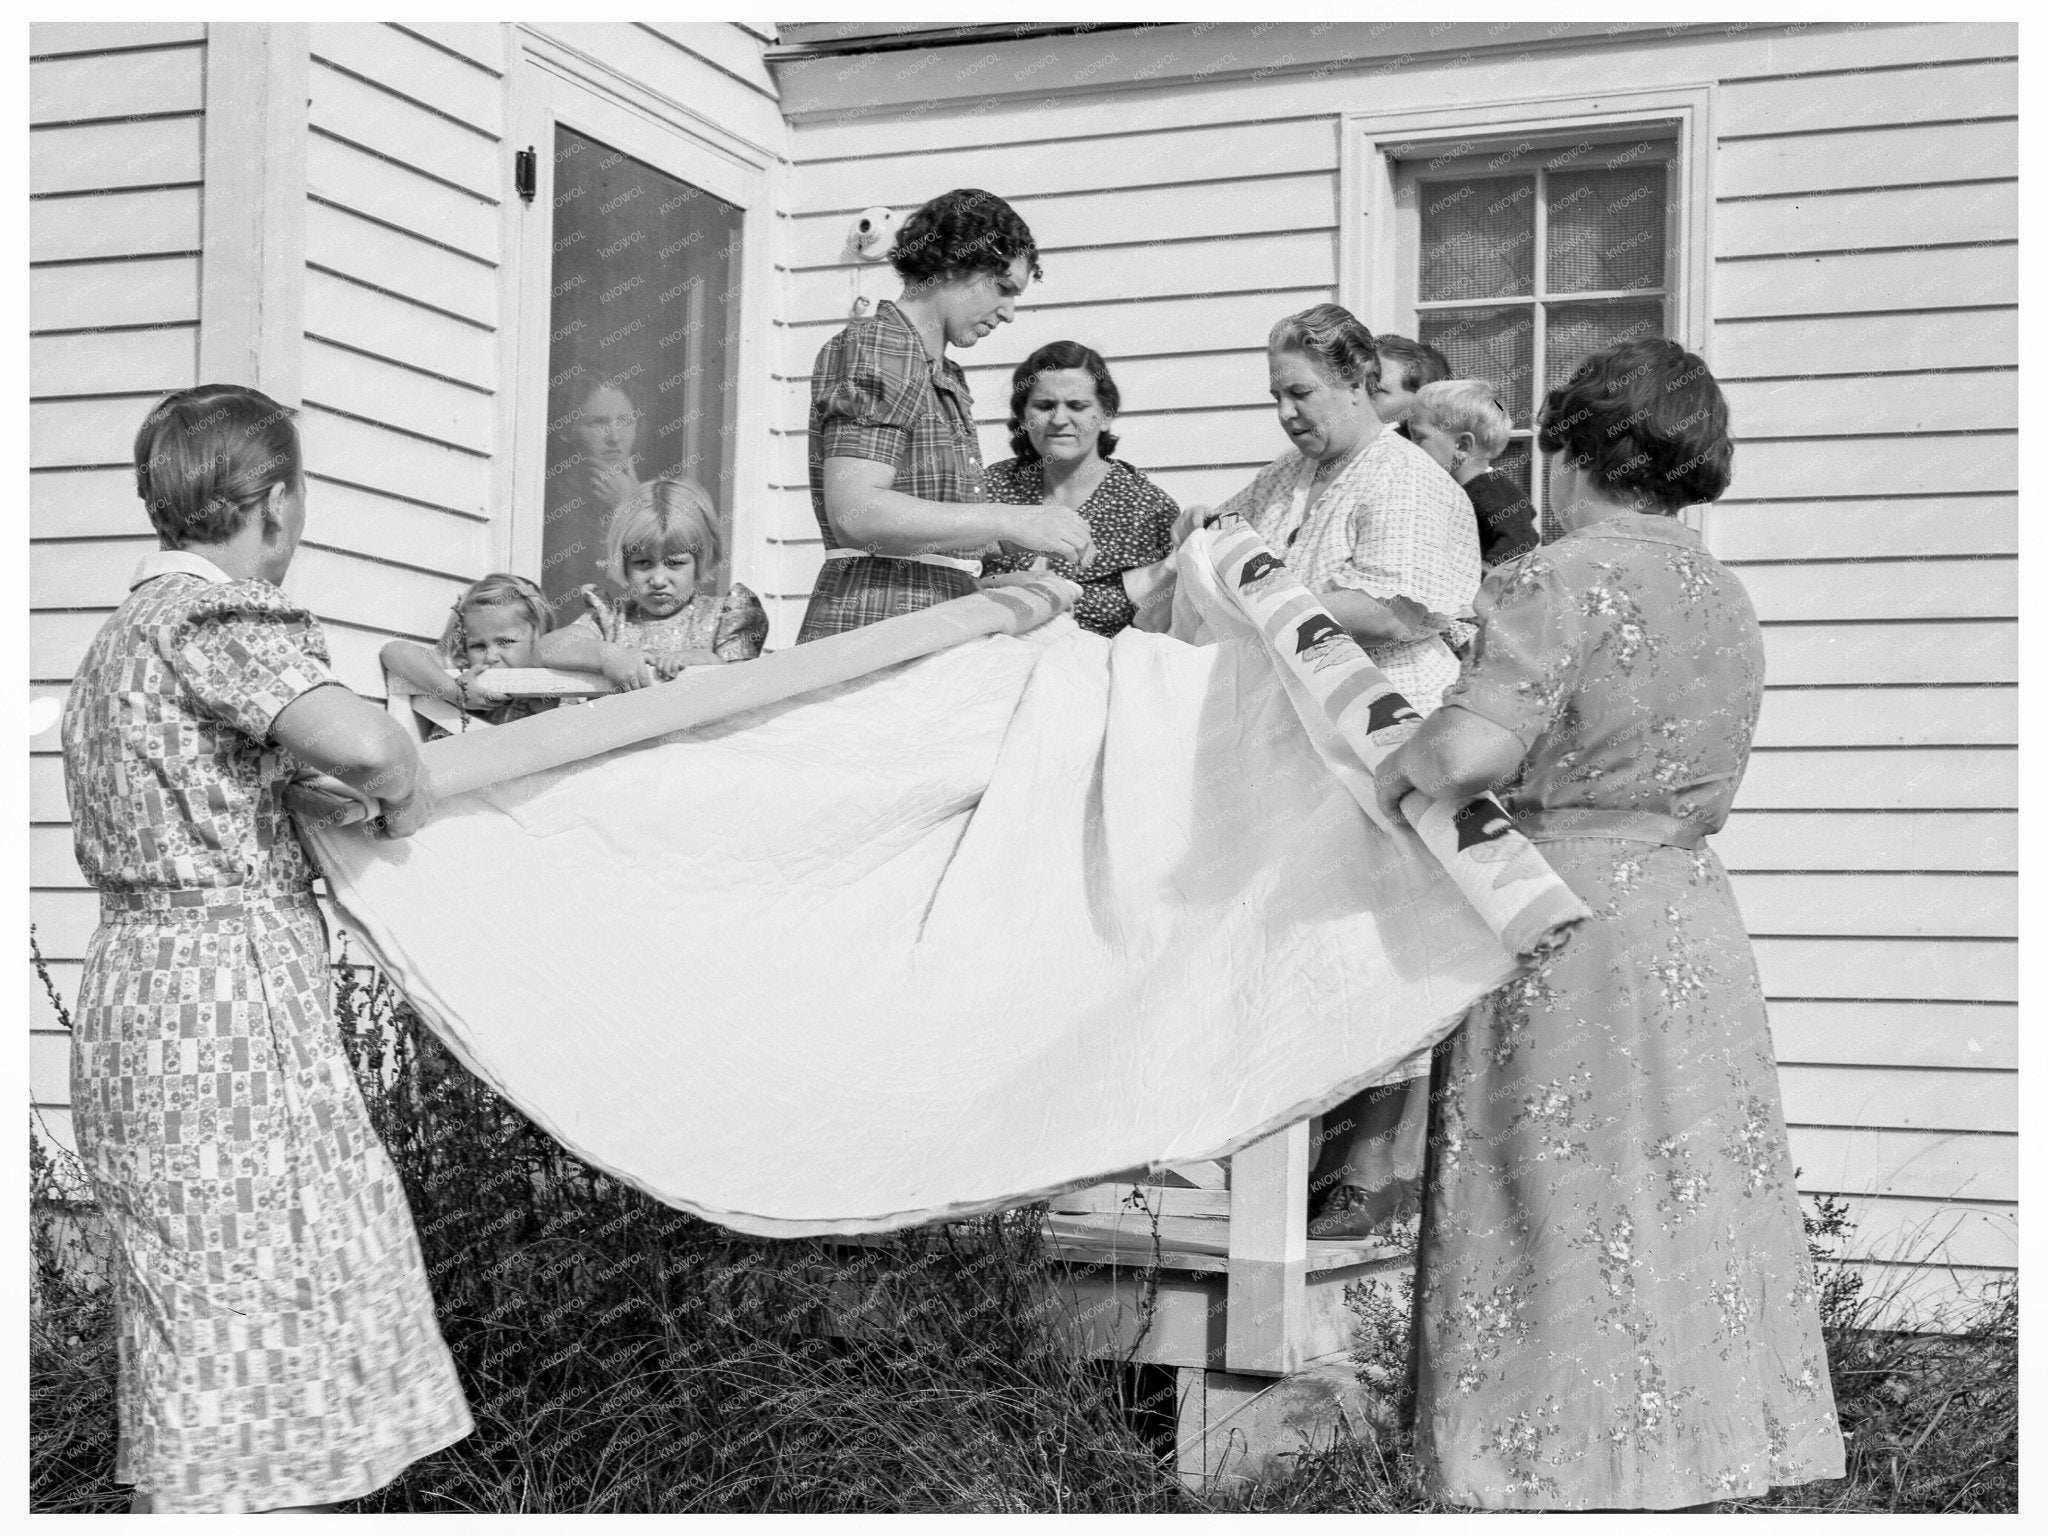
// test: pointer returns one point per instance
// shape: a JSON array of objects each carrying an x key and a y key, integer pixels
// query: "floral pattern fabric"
[
  {"x": 1391, "y": 524},
  {"x": 1615, "y": 1305},
  {"x": 732, "y": 627},
  {"x": 277, "y": 1340},
  {"x": 1132, "y": 521}
]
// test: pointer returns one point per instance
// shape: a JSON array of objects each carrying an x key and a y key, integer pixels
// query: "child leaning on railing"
[
  {"x": 662, "y": 541},
  {"x": 496, "y": 623}
]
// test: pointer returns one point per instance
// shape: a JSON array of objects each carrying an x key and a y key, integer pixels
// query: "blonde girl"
[
  {"x": 661, "y": 549},
  {"x": 497, "y": 622}
]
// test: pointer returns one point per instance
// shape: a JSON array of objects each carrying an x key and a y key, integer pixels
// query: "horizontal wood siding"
[
  {"x": 116, "y": 115},
  {"x": 407, "y": 175},
  {"x": 1865, "y": 230},
  {"x": 408, "y": 183},
  {"x": 1864, "y": 277}
]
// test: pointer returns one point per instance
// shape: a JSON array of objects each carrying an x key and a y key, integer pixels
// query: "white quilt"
[{"x": 1013, "y": 918}]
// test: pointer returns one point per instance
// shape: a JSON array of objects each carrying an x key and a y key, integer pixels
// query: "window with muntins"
[{"x": 1518, "y": 265}]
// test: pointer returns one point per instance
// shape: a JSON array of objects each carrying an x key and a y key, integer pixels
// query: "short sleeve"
[
  {"x": 865, "y": 395},
  {"x": 244, "y": 651},
  {"x": 742, "y": 626},
  {"x": 1158, "y": 512},
  {"x": 1526, "y": 662},
  {"x": 1414, "y": 536},
  {"x": 600, "y": 617}
]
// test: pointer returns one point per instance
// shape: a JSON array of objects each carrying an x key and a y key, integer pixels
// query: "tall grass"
[{"x": 619, "y": 1355}]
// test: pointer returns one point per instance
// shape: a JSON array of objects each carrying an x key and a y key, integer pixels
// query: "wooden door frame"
[{"x": 550, "y": 81}]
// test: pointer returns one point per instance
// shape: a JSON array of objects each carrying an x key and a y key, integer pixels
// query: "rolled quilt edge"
[
  {"x": 1502, "y": 874},
  {"x": 1544, "y": 926}
]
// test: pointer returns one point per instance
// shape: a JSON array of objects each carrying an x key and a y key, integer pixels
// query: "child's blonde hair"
[
  {"x": 500, "y": 589},
  {"x": 1465, "y": 405},
  {"x": 664, "y": 517}
]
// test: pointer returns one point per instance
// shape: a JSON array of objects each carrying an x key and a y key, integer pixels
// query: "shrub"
[{"x": 620, "y": 1355}]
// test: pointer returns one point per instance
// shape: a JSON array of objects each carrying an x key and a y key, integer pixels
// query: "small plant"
[
  {"x": 1930, "y": 1417},
  {"x": 71, "y": 1346}
]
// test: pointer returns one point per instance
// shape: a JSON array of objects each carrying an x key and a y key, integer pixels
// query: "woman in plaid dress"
[
  {"x": 895, "y": 465},
  {"x": 277, "y": 1340},
  {"x": 1375, "y": 528}
]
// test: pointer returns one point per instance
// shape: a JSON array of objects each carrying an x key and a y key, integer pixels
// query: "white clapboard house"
[{"x": 426, "y": 235}]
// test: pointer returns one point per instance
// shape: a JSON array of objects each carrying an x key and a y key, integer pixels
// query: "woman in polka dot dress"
[{"x": 1062, "y": 401}]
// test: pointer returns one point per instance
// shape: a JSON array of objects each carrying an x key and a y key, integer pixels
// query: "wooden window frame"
[
  {"x": 550, "y": 83},
  {"x": 1378, "y": 256}
]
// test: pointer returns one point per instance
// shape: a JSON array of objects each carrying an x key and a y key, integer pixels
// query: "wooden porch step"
[{"x": 1124, "y": 1238}]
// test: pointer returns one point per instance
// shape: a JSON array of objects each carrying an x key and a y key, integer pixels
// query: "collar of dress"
[
  {"x": 169, "y": 562},
  {"x": 1650, "y": 526},
  {"x": 946, "y": 373},
  {"x": 1034, "y": 470}
]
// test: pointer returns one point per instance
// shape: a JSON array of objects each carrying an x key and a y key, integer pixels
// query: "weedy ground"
[{"x": 622, "y": 1356}]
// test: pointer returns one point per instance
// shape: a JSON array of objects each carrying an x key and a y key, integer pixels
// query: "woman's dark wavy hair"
[
  {"x": 965, "y": 230},
  {"x": 1643, "y": 417},
  {"x": 1055, "y": 357},
  {"x": 206, "y": 457},
  {"x": 1334, "y": 339}
]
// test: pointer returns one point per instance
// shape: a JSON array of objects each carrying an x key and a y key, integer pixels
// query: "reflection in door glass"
[{"x": 642, "y": 351}]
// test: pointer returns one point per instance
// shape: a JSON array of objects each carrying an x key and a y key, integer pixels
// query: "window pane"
[
  {"x": 643, "y": 344},
  {"x": 1478, "y": 237},
  {"x": 1606, "y": 227},
  {"x": 1577, "y": 330},
  {"x": 1491, "y": 344}
]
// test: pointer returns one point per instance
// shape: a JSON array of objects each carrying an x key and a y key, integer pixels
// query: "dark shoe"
[{"x": 1353, "y": 1213}]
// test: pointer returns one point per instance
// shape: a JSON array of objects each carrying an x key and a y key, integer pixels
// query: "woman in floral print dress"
[
  {"x": 1615, "y": 1306},
  {"x": 277, "y": 1340}
]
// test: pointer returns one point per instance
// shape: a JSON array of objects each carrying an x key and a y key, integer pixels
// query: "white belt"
[{"x": 951, "y": 562}]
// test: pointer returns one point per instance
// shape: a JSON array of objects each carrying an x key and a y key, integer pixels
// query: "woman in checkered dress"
[
  {"x": 277, "y": 1340},
  {"x": 1384, "y": 537},
  {"x": 895, "y": 466}
]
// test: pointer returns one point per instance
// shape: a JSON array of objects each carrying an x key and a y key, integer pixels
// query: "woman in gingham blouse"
[
  {"x": 1384, "y": 537},
  {"x": 895, "y": 468},
  {"x": 278, "y": 1347}
]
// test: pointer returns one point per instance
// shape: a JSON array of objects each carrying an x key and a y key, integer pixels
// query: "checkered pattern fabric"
[
  {"x": 277, "y": 1339},
  {"x": 877, "y": 394},
  {"x": 1391, "y": 524}
]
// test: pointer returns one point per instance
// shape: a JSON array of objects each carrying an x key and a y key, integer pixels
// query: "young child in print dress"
[
  {"x": 497, "y": 622},
  {"x": 663, "y": 541}
]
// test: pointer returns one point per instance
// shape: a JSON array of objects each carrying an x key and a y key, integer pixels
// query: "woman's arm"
[
  {"x": 866, "y": 514},
  {"x": 1455, "y": 756},
  {"x": 347, "y": 737},
  {"x": 1375, "y": 621}
]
